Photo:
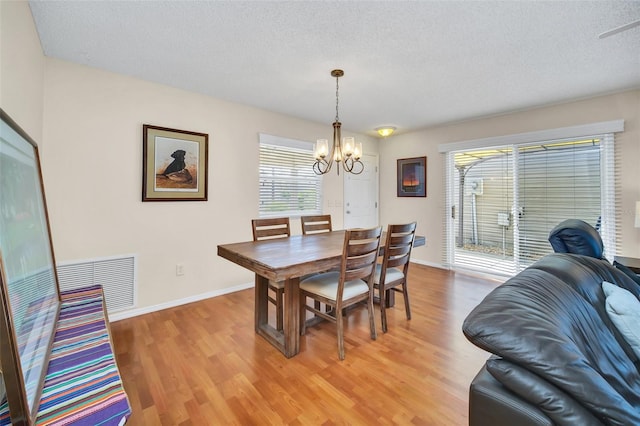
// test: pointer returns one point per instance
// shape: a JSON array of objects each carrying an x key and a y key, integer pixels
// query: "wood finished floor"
[{"x": 202, "y": 363}]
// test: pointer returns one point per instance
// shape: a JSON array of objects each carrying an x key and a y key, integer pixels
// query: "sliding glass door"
[
  {"x": 483, "y": 196},
  {"x": 504, "y": 200}
]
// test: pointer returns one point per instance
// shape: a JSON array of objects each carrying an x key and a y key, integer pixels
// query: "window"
[
  {"x": 288, "y": 185},
  {"x": 505, "y": 199}
]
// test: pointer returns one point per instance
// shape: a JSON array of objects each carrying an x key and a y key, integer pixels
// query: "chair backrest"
[
  {"x": 397, "y": 249},
  {"x": 577, "y": 237},
  {"x": 266, "y": 229},
  {"x": 359, "y": 255},
  {"x": 316, "y": 224}
]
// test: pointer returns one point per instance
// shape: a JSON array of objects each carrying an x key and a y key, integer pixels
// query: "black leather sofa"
[{"x": 558, "y": 359}]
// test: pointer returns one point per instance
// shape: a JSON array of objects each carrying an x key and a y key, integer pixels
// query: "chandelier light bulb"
[
  {"x": 337, "y": 155},
  {"x": 349, "y": 143},
  {"x": 322, "y": 149},
  {"x": 357, "y": 152}
]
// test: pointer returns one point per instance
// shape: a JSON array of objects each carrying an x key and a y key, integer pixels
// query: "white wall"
[
  {"x": 429, "y": 211},
  {"x": 93, "y": 171},
  {"x": 21, "y": 68}
]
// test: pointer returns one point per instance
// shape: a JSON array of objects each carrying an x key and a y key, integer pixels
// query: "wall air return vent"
[{"x": 117, "y": 275}]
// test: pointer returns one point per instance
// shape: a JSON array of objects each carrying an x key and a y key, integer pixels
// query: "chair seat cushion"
[
  {"x": 326, "y": 285},
  {"x": 393, "y": 274}
]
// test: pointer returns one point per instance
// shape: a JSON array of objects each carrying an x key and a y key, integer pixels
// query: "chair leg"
[
  {"x": 279, "y": 309},
  {"x": 405, "y": 291},
  {"x": 340, "y": 332},
  {"x": 383, "y": 308},
  {"x": 372, "y": 314}
]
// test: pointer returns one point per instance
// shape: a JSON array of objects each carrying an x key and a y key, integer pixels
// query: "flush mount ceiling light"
[
  {"x": 385, "y": 131},
  {"x": 344, "y": 151}
]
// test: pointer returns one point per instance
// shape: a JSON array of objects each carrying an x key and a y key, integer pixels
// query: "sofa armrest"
[{"x": 491, "y": 404}]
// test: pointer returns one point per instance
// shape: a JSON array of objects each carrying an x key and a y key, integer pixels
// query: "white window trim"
[{"x": 570, "y": 132}]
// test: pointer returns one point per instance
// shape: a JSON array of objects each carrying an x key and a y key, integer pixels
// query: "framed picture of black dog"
[{"x": 174, "y": 164}]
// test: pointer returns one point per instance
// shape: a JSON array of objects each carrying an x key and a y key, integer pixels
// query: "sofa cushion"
[
  {"x": 585, "y": 274},
  {"x": 542, "y": 324},
  {"x": 556, "y": 404},
  {"x": 624, "y": 310},
  {"x": 491, "y": 404}
]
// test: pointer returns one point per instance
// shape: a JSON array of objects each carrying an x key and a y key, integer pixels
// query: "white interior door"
[{"x": 361, "y": 195}]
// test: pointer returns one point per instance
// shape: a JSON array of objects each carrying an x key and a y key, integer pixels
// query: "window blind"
[
  {"x": 288, "y": 185},
  {"x": 484, "y": 198},
  {"x": 503, "y": 200},
  {"x": 558, "y": 181},
  {"x": 611, "y": 223}
]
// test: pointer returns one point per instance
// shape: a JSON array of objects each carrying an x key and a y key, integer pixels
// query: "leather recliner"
[{"x": 577, "y": 237}]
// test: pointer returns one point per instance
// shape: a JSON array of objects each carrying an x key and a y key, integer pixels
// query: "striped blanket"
[{"x": 82, "y": 385}]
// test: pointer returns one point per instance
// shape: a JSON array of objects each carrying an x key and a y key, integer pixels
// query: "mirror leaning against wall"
[{"x": 29, "y": 296}]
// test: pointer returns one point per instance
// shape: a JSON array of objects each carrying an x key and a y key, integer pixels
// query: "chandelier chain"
[{"x": 337, "y": 118}]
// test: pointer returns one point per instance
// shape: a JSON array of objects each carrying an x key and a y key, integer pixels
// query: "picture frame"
[
  {"x": 29, "y": 292},
  {"x": 412, "y": 177},
  {"x": 174, "y": 164}
]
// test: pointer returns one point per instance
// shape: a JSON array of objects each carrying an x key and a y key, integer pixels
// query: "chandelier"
[{"x": 345, "y": 151}]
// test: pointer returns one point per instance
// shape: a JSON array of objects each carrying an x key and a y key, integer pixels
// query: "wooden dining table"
[{"x": 287, "y": 259}]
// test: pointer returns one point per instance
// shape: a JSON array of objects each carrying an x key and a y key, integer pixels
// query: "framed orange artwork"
[{"x": 412, "y": 177}]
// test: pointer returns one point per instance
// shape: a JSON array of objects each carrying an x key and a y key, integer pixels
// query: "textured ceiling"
[{"x": 407, "y": 64}]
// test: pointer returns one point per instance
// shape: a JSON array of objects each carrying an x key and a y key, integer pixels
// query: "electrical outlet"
[{"x": 179, "y": 269}]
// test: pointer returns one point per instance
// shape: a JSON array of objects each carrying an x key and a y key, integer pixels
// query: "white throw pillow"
[{"x": 623, "y": 309}]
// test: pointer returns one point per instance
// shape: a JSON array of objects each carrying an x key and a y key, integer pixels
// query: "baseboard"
[
  {"x": 471, "y": 272},
  {"x": 432, "y": 264},
  {"x": 117, "y": 316}
]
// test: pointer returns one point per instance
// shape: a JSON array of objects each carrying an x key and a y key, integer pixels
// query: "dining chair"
[
  {"x": 352, "y": 284},
  {"x": 267, "y": 229},
  {"x": 316, "y": 224},
  {"x": 391, "y": 273},
  {"x": 277, "y": 227}
]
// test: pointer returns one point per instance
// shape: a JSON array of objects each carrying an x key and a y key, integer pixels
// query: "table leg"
[
  {"x": 390, "y": 298},
  {"x": 287, "y": 341},
  {"x": 261, "y": 302},
  {"x": 291, "y": 317}
]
